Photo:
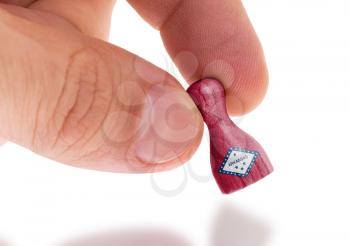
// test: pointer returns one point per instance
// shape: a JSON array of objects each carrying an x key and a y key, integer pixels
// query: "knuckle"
[{"x": 83, "y": 103}]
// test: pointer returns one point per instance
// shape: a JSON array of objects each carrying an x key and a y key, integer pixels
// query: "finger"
[
  {"x": 23, "y": 3},
  {"x": 87, "y": 103},
  {"x": 212, "y": 39},
  {"x": 78, "y": 12},
  {"x": 92, "y": 17}
]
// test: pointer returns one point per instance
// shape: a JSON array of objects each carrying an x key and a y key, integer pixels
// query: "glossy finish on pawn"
[{"x": 237, "y": 159}]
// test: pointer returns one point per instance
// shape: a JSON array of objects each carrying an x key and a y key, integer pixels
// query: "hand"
[{"x": 67, "y": 94}]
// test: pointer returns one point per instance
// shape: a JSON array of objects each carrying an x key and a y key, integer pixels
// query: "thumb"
[{"x": 84, "y": 102}]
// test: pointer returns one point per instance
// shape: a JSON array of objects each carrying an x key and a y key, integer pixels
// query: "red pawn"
[{"x": 237, "y": 159}]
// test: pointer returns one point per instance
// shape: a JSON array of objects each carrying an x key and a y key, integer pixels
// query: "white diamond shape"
[{"x": 238, "y": 162}]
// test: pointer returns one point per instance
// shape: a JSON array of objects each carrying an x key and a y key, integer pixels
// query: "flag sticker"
[{"x": 238, "y": 162}]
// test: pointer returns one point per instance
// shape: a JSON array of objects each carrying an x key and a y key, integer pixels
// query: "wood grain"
[{"x": 209, "y": 96}]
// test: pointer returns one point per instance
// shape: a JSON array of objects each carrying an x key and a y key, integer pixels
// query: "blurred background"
[{"x": 303, "y": 124}]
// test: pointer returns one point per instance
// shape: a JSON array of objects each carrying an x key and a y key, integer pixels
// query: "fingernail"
[{"x": 174, "y": 126}]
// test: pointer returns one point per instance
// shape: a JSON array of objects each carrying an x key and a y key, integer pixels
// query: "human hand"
[{"x": 67, "y": 94}]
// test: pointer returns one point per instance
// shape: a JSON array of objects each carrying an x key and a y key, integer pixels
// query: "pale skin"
[{"x": 69, "y": 95}]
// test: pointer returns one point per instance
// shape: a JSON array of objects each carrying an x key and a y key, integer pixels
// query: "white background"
[{"x": 303, "y": 125}]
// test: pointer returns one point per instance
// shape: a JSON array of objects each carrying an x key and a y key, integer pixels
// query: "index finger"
[{"x": 209, "y": 38}]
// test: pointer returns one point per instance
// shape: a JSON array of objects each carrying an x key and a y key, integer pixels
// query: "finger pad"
[{"x": 222, "y": 43}]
